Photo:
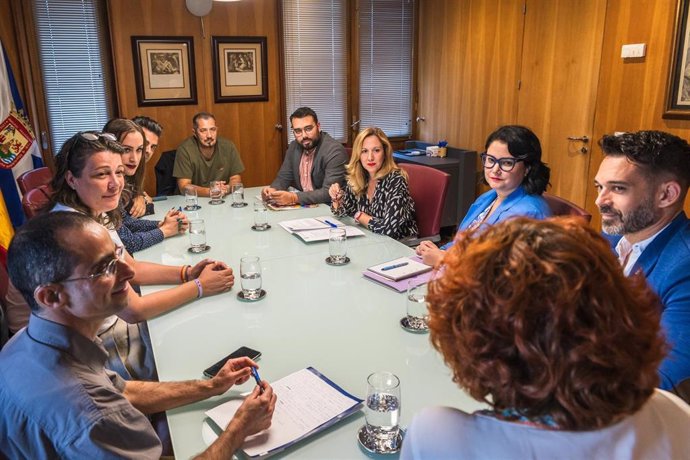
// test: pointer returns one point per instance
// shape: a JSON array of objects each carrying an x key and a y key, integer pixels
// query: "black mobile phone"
[{"x": 240, "y": 352}]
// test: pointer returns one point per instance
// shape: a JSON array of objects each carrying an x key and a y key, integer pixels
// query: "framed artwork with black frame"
[
  {"x": 164, "y": 70},
  {"x": 240, "y": 70},
  {"x": 678, "y": 88}
]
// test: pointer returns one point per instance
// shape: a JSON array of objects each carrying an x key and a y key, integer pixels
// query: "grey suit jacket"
[{"x": 329, "y": 167}]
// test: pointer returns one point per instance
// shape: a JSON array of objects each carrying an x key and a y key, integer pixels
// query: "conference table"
[{"x": 328, "y": 317}]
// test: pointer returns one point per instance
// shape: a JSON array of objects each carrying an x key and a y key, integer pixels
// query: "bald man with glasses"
[
  {"x": 313, "y": 162},
  {"x": 57, "y": 398}
]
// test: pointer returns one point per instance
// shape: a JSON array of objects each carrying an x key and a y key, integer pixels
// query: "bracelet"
[
  {"x": 358, "y": 214},
  {"x": 183, "y": 273},
  {"x": 200, "y": 290}
]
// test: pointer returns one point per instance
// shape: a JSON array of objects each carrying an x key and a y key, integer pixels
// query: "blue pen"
[
  {"x": 330, "y": 223},
  {"x": 179, "y": 208},
  {"x": 255, "y": 373},
  {"x": 391, "y": 267}
]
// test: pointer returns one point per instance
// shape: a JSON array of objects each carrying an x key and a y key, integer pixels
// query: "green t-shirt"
[{"x": 190, "y": 164}]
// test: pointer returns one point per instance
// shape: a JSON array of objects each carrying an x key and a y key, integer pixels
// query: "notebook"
[{"x": 401, "y": 268}]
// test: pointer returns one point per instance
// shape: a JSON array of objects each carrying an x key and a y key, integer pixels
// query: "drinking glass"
[
  {"x": 260, "y": 215},
  {"x": 238, "y": 196},
  {"x": 197, "y": 235},
  {"x": 417, "y": 313},
  {"x": 382, "y": 411},
  {"x": 191, "y": 199},
  {"x": 337, "y": 246},
  {"x": 250, "y": 276},
  {"x": 216, "y": 192}
]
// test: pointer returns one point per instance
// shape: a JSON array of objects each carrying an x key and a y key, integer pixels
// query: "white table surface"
[{"x": 314, "y": 314}]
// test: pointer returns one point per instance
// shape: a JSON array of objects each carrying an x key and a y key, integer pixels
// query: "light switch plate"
[{"x": 635, "y": 50}]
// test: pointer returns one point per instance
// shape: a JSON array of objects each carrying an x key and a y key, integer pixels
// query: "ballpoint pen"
[
  {"x": 330, "y": 223},
  {"x": 255, "y": 373},
  {"x": 391, "y": 267}
]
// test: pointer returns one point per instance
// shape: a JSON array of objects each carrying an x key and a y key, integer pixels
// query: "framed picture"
[
  {"x": 164, "y": 70},
  {"x": 240, "y": 72},
  {"x": 678, "y": 91}
]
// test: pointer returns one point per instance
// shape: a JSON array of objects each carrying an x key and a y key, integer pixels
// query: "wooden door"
[{"x": 559, "y": 77}]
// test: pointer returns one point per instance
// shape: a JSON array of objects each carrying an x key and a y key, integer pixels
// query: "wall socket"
[{"x": 635, "y": 50}]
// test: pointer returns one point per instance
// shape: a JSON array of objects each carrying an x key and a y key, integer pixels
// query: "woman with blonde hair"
[{"x": 377, "y": 195}]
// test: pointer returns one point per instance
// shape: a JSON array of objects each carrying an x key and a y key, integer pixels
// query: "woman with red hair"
[{"x": 537, "y": 320}]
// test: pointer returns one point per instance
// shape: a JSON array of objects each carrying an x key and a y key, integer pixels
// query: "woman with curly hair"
[
  {"x": 537, "y": 320},
  {"x": 517, "y": 177},
  {"x": 376, "y": 195}
]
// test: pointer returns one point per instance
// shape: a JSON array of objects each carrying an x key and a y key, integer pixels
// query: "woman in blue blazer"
[{"x": 517, "y": 177}]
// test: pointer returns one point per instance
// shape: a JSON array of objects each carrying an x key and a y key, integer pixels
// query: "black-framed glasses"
[
  {"x": 305, "y": 130},
  {"x": 96, "y": 135},
  {"x": 108, "y": 269},
  {"x": 505, "y": 164}
]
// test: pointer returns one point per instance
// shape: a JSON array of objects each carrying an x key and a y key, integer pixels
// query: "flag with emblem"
[{"x": 18, "y": 149}]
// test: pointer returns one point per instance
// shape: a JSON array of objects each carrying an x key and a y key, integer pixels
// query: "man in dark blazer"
[
  {"x": 313, "y": 161},
  {"x": 642, "y": 183}
]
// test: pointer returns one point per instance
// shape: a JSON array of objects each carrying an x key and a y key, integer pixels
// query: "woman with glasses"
[
  {"x": 89, "y": 179},
  {"x": 376, "y": 195},
  {"x": 537, "y": 321},
  {"x": 139, "y": 234},
  {"x": 517, "y": 177}
]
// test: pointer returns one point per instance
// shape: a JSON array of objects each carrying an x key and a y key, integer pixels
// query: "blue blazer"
[
  {"x": 518, "y": 203},
  {"x": 666, "y": 265}
]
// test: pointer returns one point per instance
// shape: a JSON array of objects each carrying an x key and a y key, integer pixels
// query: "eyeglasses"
[
  {"x": 306, "y": 130},
  {"x": 108, "y": 269},
  {"x": 95, "y": 135},
  {"x": 505, "y": 164}
]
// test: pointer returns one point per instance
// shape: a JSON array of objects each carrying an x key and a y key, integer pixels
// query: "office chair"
[
  {"x": 562, "y": 207},
  {"x": 165, "y": 182},
  {"x": 428, "y": 188},
  {"x": 4, "y": 329},
  {"x": 35, "y": 199},
  {"x": 34, "y": 178}
]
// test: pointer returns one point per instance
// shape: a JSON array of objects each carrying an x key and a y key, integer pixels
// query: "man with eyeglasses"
[
  {"x": 313, "y": 162},
  {"x": 57, "y": 398},
  {"x": 205, "y": 157},
  {"x": 642, "y": 183}
]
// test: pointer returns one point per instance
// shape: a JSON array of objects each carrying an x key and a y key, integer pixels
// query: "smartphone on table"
[{"x": 211, "y": 371}]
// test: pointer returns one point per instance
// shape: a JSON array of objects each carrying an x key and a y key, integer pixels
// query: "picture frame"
[
  {"x": 164, "y": 70},
  {"x": 240, "y": 69},
  {"x": 678, "y": 86}
]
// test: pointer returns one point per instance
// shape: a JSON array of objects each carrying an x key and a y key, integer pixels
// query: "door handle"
[
  {"x": 420, "y": 119},
  {"x": 583, "y": 139},
  {"x": 278, "y": 127},
  {"x": 355, "y": 124}
]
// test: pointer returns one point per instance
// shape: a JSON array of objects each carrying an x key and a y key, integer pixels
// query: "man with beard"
[
  {"x": 206, "y": 157},
  {"x": 642, "y": 183},
  {"x": 313, "y": 161}
]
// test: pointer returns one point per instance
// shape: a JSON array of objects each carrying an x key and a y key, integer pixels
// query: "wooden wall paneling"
[
  {"x": 631, "y": 95},
  {"x": 250, "y": 125},
  {"x": 560, "y": 71}
]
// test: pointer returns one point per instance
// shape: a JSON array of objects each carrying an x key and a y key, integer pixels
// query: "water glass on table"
[
  {"x": 381, "y": 434},
  {"x": 238, "y": 196},
  {"x": 337, "y": 247},
  {"x": 216, "y": 192},
  {"x": 260, "y": 216},
  {"x": 191, "y": 198},
  {"x": 417, "y": 313},
  {"x": 197, "y": 236},
  {"x": 250, "y": 277}
]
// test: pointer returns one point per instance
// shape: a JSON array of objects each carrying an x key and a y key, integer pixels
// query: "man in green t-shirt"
[{"x": 205, "y": 157}]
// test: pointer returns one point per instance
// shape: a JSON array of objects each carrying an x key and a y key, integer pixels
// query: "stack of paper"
[
  {"x": 307, "y": 403},
  {"x": 312, "y": 229}
]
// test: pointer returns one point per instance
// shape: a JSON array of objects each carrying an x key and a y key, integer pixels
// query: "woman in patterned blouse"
[
  {"x": 376, "y": 195},
  {"x": 138, "y": 234}
]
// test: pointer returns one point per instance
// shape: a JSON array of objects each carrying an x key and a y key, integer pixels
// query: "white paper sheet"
[{"x": 305, "y": 401}]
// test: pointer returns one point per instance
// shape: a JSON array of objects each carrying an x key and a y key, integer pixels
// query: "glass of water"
[
  {"x": 417, "y": 314},
  {"x": 238, "y": 195},
  {"x": 250, "y": 275},
  {"x": 382, "y": 412},
  {"x": 260, "y": 215},
  {"x": 197, "y": 235},
  {"x": 216, "y": 192},
  {"x": 337, "y": 247},
  {"x": 191, "y": 198}
]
